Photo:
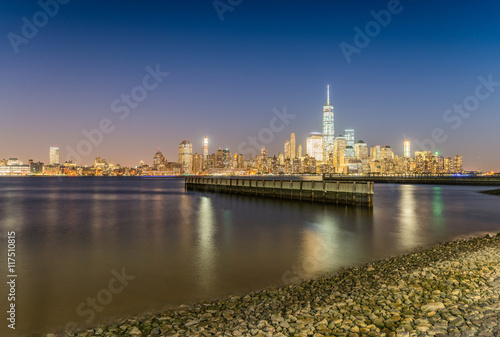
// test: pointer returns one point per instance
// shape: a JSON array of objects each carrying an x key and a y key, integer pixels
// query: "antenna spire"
[{"x": 328, "y": 94}]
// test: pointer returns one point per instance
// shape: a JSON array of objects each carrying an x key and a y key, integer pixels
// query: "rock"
[{"x": 432, "y": 306}]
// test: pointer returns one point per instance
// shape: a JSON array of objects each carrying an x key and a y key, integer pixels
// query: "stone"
[{"x": 433, "y": 306}]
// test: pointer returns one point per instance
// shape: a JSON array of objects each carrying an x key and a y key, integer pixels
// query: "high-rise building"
[
  {"x": 328, "y": 127},
  {"x": 457, "y": 163},
  {"x": 159, "y": 161},
  {"x": 220, "y": 159},
  {"x": 361, "y": 151},
  {"x": 338, "y": 153},
  {"x": 287, "y": 149},
  {"x": 406, "y": 149},
  {"x": 299, "y": 151},
  {"x": 205, "y": 152},
  {"x": 292, "y": 146},
  {"x": 226, "y": 158},
  {"x": 186, "y": 157},
  {"x": 314, "y": 146},
  {"x": 349, "y": 136},
  {"x": 375, "y": 152},
  {"x": 54, "y": 155}
]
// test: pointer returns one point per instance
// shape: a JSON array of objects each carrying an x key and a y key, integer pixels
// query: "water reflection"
[
  {"x": 206, "y": 246},
  {"x": 408, "y": 219},
  {"x": 437, "y": 210}
]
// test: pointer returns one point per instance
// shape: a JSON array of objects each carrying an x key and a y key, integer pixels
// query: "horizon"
[{"x": 424, "y": 74}]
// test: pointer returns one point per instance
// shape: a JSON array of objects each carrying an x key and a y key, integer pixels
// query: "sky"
[{"x": 234, "y": 69}]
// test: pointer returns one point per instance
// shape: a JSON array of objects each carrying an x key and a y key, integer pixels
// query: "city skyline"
[{"x": 226, "y": 78}]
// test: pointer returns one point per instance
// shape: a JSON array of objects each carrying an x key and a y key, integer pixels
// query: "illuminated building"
[
  {"x": 205, "y": 152},
  {"x": 281, "y": 159},
  {"x": 457, "y": 164},
  {"x": 328, "y": 127},
  {"x": 349, "y": 136},
  {"x": 314, "y": 146},
  {"x": 54, "y": 155},
  {"x": 406, "y": 149},
  {"x": 292, "y": 146},
  {"x": 226, "y": 158},
  {"x": 287, "y": 149},
  {"x": 159, "y": 161},
  {"x": 299, "y": 151},
  {"x": 375, "y": 152},
  {"x": 186, "y": 157},
  {"x": 361, "y": 151},
  {"x": 338, "y": 153},
  {"x": 197, "y": 163}
]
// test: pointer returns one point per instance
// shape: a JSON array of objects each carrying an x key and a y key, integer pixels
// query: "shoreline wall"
[{"x": 337, "y": 192}]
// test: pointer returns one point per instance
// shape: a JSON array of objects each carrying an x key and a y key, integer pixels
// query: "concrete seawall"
[
  {"x": 422, "y": 179},
  {"x": 337, "y": 192}
]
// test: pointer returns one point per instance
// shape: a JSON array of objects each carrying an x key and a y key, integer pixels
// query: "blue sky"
[{"x": 226, "y": 76}]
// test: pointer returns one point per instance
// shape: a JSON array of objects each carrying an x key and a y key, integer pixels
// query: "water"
[{"x": 74, "y": 235}]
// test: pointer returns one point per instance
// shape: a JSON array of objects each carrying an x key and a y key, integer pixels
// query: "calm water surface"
[{"x": 181, "y": 246}]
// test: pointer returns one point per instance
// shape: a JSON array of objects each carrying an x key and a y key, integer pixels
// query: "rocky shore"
[
  {"x": 451, "y": 289},
  {"x": 492, "y": 192}
]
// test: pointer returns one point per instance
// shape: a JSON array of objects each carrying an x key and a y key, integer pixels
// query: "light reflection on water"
[{"x": 185, "y": 246}]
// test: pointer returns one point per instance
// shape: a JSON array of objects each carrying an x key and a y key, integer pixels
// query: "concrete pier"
[{"x": 337, "y": 192}]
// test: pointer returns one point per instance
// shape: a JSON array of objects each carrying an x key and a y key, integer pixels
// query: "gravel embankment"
[
  {"x": 451, "y": 289},
  {"x": 492, "y": 192}
]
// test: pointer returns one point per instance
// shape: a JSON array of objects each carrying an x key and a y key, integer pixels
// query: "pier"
[
  {"x": 337, "y": 192},
  {"x": 420, "y": 179}
]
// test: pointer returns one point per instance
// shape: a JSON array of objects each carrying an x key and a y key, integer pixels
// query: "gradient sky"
[{"x": 226, "y": 77}]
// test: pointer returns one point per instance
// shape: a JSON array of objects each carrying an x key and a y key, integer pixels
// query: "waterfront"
[{"x": 183, "y": 246}]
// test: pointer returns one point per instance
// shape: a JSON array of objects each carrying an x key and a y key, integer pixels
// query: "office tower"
[
  {"x": 263, "y": 153},
  {"x": 406, "y": 148},
  {"x": 339, "y": 145},
  {"x": 205, "y": 152},
  {"x": 314, "y": 146},
  {"x": 292, "y": 146},
  {"x": 54, "y": 155},
  {"x": 281, "y": 159},
  {"x": 375, "y": 152},
  {"x": 186, "y": 157},
  {"x": 328, "y": 127},
  {"x": 299, "y": 151},
  {"x": 287, "y": 149},
  {"x": 457, "y": 163},
  {"x": 349, "y": 152},
  {"x": 197, "y": 163},
  {"x": 159, "y": 160},
  {"x": 226, "y": 158},
  {"x": 349, "y": 136},
  {"x": 220, "y": 159},
  {"x": 361, "y": 151},
  {"x": 386, "y": 152}
]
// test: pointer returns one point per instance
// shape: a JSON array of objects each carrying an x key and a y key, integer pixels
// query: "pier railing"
[{"x": 338, "y": 192}]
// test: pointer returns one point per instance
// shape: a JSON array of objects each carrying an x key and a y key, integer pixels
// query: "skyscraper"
[
  {"x": 406, "y": 147},
  {"x": 205, "y": 152},
  {"x": 54, "y": 155},
  {"x": 287, "y": 149},
  {"x": 328, "y": 127},
  {"x": 186, "y": 156},
  {"x": 314, "y": 146},
  {"x": 292, "y": 146},
  {"x": 299, "y": 151},
  {"x": 349, "y": 136}
]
